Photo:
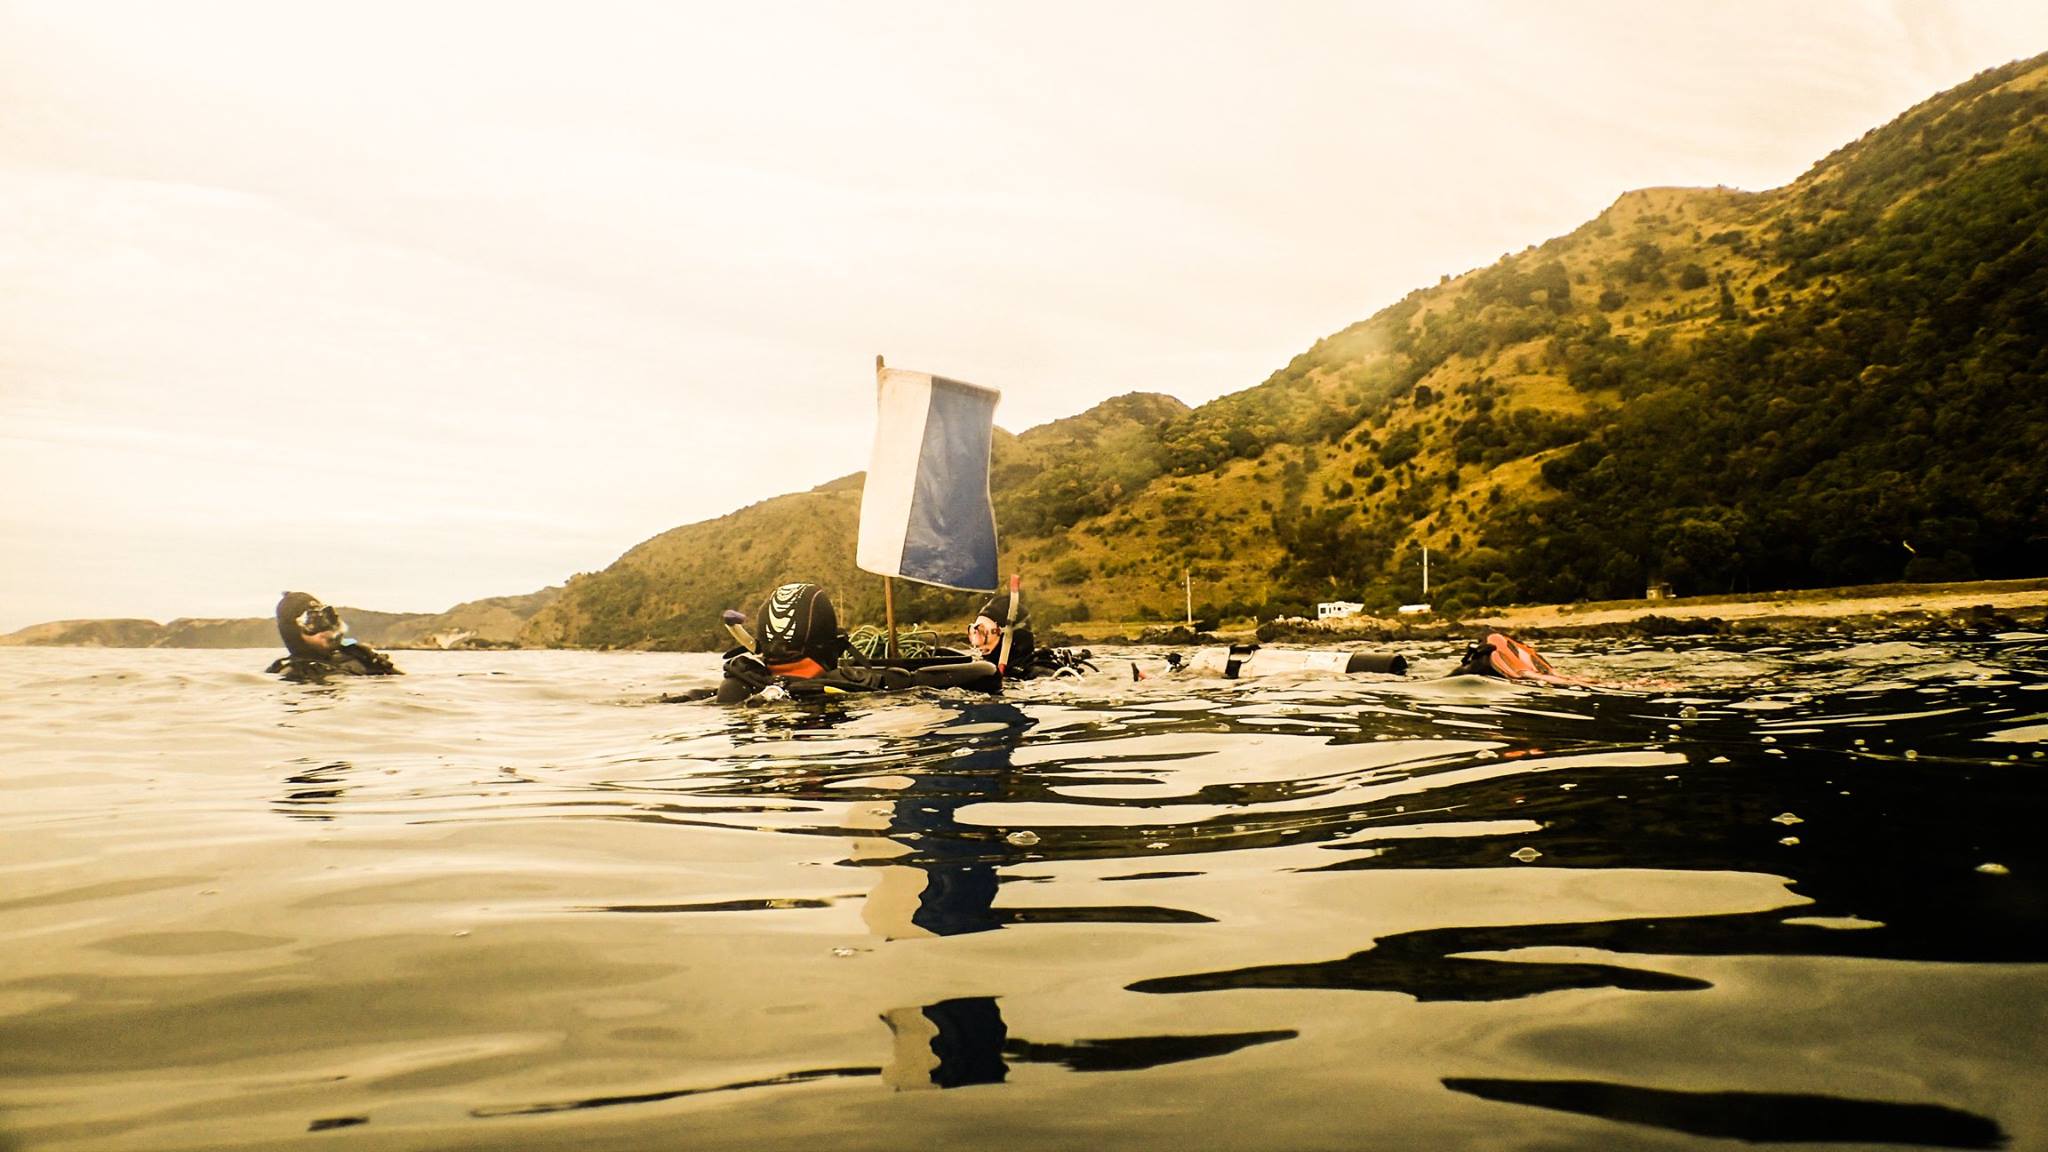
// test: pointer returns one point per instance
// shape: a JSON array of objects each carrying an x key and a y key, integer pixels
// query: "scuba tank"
[{"x": 1246, "y": 661}]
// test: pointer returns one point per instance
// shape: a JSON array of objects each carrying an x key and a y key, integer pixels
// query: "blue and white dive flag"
[{"x": 925, "y": 513}]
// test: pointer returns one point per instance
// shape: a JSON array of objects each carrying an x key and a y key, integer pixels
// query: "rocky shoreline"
[{"x": 1975, "y": 607}]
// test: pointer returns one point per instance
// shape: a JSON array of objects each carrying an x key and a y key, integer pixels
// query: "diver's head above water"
[
  {"x": 308, "y": 627},
  {"x": 1504, "y": 657},
  {"x": 985, "y": 634},
  {"x": 798, "y": 631}
]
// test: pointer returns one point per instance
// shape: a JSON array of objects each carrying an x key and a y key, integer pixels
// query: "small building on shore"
[{"x": 1338, "y": 610}]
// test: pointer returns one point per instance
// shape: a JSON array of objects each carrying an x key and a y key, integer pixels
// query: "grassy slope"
[{"x": 668, "y": 591}]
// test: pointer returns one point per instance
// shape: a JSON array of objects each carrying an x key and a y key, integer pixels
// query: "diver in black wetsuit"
[
  {"x": 319, "y": 643},
  {"x": 1026, "y": 660},
  {"x": 798, "y": 638},
  {"x": 800, "y": 650},
  {"x": 1506, "y": 658}
]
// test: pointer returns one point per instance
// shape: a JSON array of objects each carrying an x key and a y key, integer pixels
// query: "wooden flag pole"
[{"x": 888, "y": 582}]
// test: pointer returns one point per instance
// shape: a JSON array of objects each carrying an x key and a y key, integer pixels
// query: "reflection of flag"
[{"x": 925, "y": 513}]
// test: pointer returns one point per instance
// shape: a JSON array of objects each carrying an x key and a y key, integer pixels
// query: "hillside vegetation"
[
  {"x": 1831, "y": 383},
  {"x": 668, "y": 591}
]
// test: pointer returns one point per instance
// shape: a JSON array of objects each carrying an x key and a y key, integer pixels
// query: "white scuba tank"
[{"x": 1243, "y": 661}]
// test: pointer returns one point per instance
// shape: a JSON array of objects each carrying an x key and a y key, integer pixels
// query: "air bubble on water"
[
  {"x": 1718, "y": 760},
  {"x": 1485, "y": 754},
  {"x": 1158, "y": 844},
  {"x": 1566, "y": 787},
  {"x": 1912, "y": 754},
  {"x": 1994, "y": 869},
  {"x": 1786, "y": 818},
  {"x": 843, "y": 953},
  {"x": 1671, "y": 777},
  {"x": 1023, "y": 839},
  {"x": 1525, "y": 854},
  {"x": 1789, "y": 841},
  {"x": 1689, "y": 712},
  {"x": 460, "y": 933},
  {"x": 1770, "y": 740}
]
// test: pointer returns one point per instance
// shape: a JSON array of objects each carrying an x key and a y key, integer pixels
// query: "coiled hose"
[{"x": 911, "y": 643}]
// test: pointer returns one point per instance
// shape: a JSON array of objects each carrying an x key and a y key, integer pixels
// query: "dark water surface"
[{"x": 1787, "y": 895}]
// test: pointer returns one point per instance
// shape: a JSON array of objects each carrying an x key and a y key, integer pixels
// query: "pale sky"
[{"x": 411, "y": 303}]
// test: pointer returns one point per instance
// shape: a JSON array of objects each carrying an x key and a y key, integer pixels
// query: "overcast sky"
[{"x": 406, "y": 304}]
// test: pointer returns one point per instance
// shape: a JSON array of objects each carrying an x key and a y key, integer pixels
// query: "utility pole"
[
  {"x": 1425, "y": 573},
  {"x": 1188, "y": 583}
]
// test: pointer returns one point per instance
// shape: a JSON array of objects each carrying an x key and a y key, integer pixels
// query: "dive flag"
[{"x": 925, "y": 513}]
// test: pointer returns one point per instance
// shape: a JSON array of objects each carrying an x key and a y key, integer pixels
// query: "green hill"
[
  {"x": 1835, "y": 382},
  {"x": 668, "y": 591}
]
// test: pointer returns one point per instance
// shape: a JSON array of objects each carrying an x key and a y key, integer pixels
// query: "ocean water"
[{"x": 1758, "y": 894}]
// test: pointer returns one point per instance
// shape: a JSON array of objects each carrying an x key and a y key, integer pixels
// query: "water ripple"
[{"x": 512, "y": 896}]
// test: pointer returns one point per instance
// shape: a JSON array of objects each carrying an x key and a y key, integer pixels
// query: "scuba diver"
[
  {"x": 797, "y": 647},
  {"x": 319, "y": 644},
  {"x": 796, "y": 638},
  {"x": 798, "y": 632},
  {"x": 1246, "y": 661},
  {"x": 1025, "y": 660},
  {"x": 1506, "y": 658}
]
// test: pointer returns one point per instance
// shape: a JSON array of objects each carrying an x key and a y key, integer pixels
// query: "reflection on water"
[
  {"x": 1793, "y": 894},
  {"x": 317, "y": 787},
  {"x": 1755, "y": 1117}
]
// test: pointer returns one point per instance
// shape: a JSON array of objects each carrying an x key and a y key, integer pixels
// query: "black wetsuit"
[
  {"x": 803, "y": 653},
  {"x": 747, "y": 675},
  {"x": 1030, "y": 662},
  {"x": 309, "y": 662}
]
